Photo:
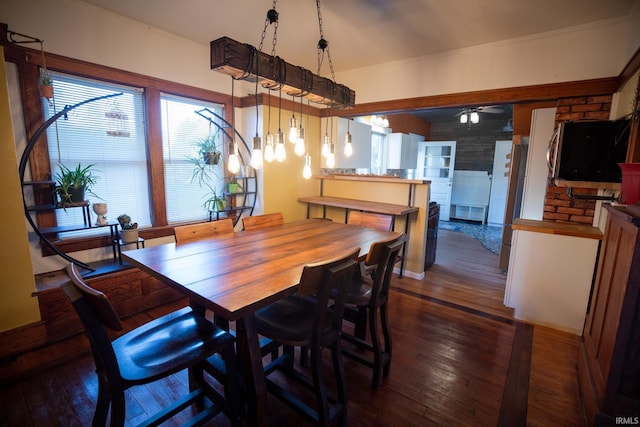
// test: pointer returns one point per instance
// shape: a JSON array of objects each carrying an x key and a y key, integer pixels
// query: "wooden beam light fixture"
[{"x": 243, "y": 61}]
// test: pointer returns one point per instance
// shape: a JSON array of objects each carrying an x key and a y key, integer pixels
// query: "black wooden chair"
[
  {"x": 176, "y": 341},
  {"x": 306, "y": 320},
  {"x": 366, "y": 301}
]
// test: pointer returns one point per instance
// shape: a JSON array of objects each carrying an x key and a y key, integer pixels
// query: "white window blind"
[
  {"x": 182, "y": 128},
  {"x": 110, "y": 134}
]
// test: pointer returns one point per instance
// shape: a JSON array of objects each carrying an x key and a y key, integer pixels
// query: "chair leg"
[
  {"x": 375, "y": 344},
  {"x": 118, "y": 408},
  {"x": 304, "y": 352},
  {"x": 196, "y": 378},
  {"x": 341, "y": 382},
  {"x": 102, "y": 406},
  {"x": 289, "y": 351},
  {"x": 360, "y": 330},
  {"x": 384, "y": 319},
  {"x": 231, "y": 387},
  {"x": 319, "y": 387}
]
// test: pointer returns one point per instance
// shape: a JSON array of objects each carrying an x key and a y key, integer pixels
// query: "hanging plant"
[
  {"x": 46, "y": 87},
  {"x": 46, "y": 84}
]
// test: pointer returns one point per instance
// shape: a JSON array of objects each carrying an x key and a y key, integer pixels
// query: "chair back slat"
[
  {"x": 392, "y": 251},
  {"x": 313, "y": 275},
  {"x": 261, "y": 221},
  {"x": 325, "y": 280},
  {"x": 377, "y": 250},
  {"x": 188, "y": 233},
  {"x": 370, "y": 220}
]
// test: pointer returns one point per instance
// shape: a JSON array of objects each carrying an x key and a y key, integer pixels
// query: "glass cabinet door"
[{"x": 436, "y": 161}]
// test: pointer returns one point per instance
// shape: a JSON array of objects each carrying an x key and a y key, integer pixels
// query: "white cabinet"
[
  {"x": 549, "y": 278},
  {"x": 361, "y": 140},
  {"x": 402, "y": 151},
  {"x": 470, "y": 195}
]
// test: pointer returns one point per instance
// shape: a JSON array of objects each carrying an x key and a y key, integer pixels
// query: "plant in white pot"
[{"x": 129, "y": 229}]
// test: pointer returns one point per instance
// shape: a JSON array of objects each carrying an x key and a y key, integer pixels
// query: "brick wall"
[{"x": 558, "y": 205}]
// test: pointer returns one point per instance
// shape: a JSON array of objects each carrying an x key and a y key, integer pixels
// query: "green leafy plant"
[
  {"x": 208, "y": 149},
  {"x": 206, "y": 166},
  {"x": 125, "y": 222},
  {"x": 215, "y": 202},
  {"x": 76, "y": 179},
  {"x": 46, "y": 80}
]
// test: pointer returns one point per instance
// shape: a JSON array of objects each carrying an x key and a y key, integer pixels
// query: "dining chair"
[
  {"x": 260, "y": 221},
  {"x": 371, "y": 220},
  {"x": 306, "y": 320},
  {"x": 366, "y": 301},
  {"x": 162, "y": 347},
  {"x": 188, "y": 233}
]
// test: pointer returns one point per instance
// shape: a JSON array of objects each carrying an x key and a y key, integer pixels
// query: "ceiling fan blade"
[{"x": 491, "y": 109}]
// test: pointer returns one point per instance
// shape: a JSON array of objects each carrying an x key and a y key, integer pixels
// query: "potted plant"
[
  {"x": 214, "y": 202},
  {"x": 233, "y": 186},
  {"x": 208, "y": 149},
  {"x": 129, "y": 229},
  {"x": 46, "y": 87},
  {"x": 72, "y": 184}
]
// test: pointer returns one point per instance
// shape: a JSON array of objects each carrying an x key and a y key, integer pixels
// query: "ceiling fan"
[{"x": 471, "y": 114}]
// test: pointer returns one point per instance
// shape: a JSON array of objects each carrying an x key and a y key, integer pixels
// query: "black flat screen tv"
[{"x": 591, "y": 150}]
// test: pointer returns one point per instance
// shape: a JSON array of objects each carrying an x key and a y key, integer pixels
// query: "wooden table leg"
[{"x": 251, "y": 359}]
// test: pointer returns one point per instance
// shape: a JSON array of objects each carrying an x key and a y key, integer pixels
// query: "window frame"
[{"x": 28, "y": 62}]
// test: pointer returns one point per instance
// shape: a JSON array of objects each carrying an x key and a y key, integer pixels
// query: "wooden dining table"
[{"x": 234, "y": 275}]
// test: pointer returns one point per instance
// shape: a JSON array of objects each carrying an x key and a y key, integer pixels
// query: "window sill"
[{"x": 94, "y": 242}]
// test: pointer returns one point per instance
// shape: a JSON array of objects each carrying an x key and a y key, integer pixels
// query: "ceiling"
[{"x": 366, "y": 32}]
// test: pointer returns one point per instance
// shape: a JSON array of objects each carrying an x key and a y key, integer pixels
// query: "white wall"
[
  {"x": 577, "y": 53},
  {"x": 79, "y": 30}
]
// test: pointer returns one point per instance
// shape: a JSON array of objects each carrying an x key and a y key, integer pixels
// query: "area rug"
[{"x": 448, "y": 226}]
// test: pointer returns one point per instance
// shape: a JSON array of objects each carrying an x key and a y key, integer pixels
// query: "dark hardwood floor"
[{"x": 459, "y": 359}]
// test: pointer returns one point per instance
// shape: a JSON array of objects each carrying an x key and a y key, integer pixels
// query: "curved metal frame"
[
  {"x": 244, "y": 143},
  {"x": 23, "y": 165}
]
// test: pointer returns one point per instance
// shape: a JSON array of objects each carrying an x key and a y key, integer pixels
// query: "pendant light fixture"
[
  {"x": 269, "y": 149},
  {"x": 256, "y": 153},
  {"x": 306, "y": 170},
  {"x": 300, "y": 148},
  {"x": 233, "y": 162},
  {"x": 280, "y": 150},
  {"x": 331, "y": 155},
  {"x": 243, "y": 61},
  {"x": 348, "y": 146},
  {"x": 293, "y": 123}
]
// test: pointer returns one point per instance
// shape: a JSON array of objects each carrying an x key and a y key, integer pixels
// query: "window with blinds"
[
  {"x": 182, "y": 129},
  {"x": 109, "y": 134}
]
